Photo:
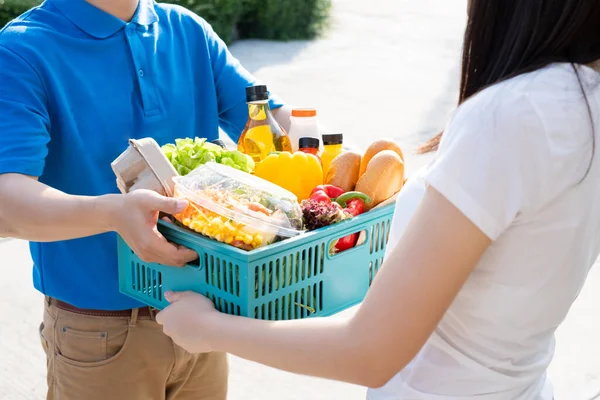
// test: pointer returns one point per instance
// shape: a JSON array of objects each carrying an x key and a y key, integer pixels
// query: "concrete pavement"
[{"x": 386, "y": 69}]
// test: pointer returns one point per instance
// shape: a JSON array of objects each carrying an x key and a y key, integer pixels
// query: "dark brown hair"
[{"x": 506, "y": 38}]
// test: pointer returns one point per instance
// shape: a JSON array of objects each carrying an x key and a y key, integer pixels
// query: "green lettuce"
[{"x": 188, "y": 154}]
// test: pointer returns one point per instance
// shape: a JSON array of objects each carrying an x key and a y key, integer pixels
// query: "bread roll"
[
  {"x": 383, "y": 178},
  {"x": 343, "y": 170},
  {"x": 376, "y": 147}
]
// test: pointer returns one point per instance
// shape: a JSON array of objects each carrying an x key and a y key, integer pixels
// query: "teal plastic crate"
[{"x": 295, "y": 278}]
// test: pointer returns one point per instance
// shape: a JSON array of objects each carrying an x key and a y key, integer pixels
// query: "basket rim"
[{"x": 171, "y": 230}]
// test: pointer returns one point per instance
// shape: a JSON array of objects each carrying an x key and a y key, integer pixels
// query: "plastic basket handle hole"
[
  {"x": 362, "y": 238},
  {"x": 195, "y": 264},
  {"x": 348, "y": 242}
]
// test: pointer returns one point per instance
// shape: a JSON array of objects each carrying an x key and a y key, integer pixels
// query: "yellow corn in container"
[{"x": 218, "y": 227}]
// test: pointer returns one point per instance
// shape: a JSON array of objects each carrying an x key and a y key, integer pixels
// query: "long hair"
[{"x": 507, "y": 38}]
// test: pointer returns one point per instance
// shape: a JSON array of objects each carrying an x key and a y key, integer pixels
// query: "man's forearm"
[{"x": 32, "y": 211}]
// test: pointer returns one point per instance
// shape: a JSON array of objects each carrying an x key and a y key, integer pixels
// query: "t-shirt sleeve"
[
  {"x": 24, "y": 120},
  {"x": 494, "y": 162},
  {"x": 231, "y": 80}
]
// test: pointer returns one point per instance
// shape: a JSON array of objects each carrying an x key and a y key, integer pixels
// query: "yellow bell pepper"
[{"x": 299, "y": 173}]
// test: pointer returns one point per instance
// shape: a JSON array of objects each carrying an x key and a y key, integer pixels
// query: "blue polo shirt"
[{"x": 75, "y": 84}]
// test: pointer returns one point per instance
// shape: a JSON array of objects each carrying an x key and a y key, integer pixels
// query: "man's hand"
[
  {"x": 186, "y": 320},
  {"x": 135, "y": 217}
]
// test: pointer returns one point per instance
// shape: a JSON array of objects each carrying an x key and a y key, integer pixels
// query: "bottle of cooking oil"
[{"x": 262, "y": 134}]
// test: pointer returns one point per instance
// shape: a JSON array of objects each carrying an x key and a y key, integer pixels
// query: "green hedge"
[
  {"x": 10, "y": 9},
  {"x": 264, "y": 19},
  {"x": 284, "y": 19},
  {"x": 223, "y": 15}
]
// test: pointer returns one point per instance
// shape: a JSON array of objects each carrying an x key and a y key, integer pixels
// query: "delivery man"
[{"x": 77, "y": 80}]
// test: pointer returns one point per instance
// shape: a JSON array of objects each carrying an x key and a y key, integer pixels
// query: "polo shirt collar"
[
  {"x": 145, "y": 15},
  {"x": 100, "y": 24}
]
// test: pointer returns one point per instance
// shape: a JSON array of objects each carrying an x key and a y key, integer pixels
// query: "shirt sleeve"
[
  {"x": 231, "y": 80},
  {"x": 24, "y": 120},
  {"x": 492, "y": 163}
]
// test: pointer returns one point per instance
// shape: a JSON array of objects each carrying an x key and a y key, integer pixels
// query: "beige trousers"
[{"x": 124, "y": 358}]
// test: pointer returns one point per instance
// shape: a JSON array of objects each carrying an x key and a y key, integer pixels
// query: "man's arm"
[
  {"x": 28, "y": 209},
  {"x": 33, "y": 211},
  {"x": 36, "y": 212},
  {"x": 231, "y": 80}
]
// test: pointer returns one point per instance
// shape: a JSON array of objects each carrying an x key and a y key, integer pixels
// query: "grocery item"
[
  {"x": 144, "y": 166},
  {"x": 324, "y": 207},
  {"x": 188, "y": 154},
  {"x": 326, "y": 193},
  {"x": 236, "y": 208},
  {"x": 262, "y": 134},
  {"x": 303, "y": 124},
  {"x": 310, "y": 145},
  {"x": 319, "y": 214},
  {"x": 332, "y": 147},
  {"x": 299, "y": 172},
  {"x": 344, "y": 170},
  {"x": 376, "y": 147},
  {"x": 384, "y": 177},
  {"x": 354, "y": 204},
  {"x": 362, "y": 238},
  {"x": 320, "y": 196}
]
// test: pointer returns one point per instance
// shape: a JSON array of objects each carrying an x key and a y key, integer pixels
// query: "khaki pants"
[{"x": 124, "y": 358}]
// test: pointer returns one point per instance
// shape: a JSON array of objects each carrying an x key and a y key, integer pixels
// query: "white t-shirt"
[{"x": 513, "y": 160}]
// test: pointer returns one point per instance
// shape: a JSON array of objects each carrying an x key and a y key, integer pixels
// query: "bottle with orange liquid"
[
  {"x": 262, "y": 134},
  {"x": 310, "y": 145}
]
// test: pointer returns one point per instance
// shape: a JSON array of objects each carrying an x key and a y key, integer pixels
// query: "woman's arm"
[{"x": 419, "y": 280}]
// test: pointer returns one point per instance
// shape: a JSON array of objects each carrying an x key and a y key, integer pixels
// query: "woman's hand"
[{"x": 186, "y": 319}]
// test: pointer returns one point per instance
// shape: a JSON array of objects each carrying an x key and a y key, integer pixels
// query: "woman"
[{"x": 478, "y": 277}]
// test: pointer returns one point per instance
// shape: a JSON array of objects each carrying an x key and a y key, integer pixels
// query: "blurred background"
[
  {"x": 235, "y": 19},
  {"x": 384, "y": 68}
]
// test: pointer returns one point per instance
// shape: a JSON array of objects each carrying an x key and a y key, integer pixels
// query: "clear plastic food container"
[{"x": 237, "y": 208}]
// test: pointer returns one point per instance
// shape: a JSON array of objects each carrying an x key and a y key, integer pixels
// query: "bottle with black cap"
[
  {"x": 332, "y": 147},
  {"x": 262, "y": 134},
  {"x": 310, "y": 145}
]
